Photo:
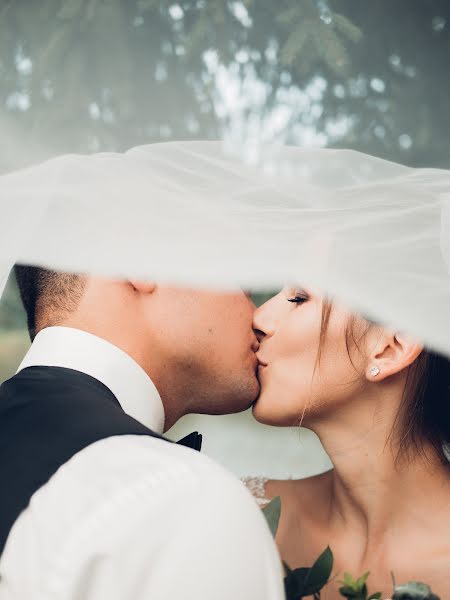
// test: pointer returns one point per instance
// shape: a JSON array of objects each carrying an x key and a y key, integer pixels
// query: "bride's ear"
[
  {"x": 391, "y": 353},
  {"x": 143, "y": 287}
]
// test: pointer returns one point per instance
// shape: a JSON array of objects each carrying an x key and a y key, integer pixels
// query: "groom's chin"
[
  {"x": 237, "y": 398},
  {"x": 245, "y": 397},
  {"x": 249, "y": 396}
]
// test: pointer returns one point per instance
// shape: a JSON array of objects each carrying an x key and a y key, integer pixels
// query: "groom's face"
[{"x": 209, "y": 346}]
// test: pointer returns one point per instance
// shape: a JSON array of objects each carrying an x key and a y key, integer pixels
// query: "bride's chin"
[
  {"x": 281, "y": 407},
  {"x": 267, "y": 412},
  {"x": 258, "y": 411}
]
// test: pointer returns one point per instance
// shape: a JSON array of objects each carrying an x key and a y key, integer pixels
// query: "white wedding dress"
[{"x": 257, "y": 487}]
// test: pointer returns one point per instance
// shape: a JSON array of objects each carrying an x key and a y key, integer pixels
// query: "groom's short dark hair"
[{"x": 47, "y": 296}]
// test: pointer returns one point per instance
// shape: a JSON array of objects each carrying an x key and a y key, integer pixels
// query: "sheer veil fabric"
[{"x": 371, "y": 233}]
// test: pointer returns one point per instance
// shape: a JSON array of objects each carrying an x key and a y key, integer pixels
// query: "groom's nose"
[{"x": 255, "y": 345}]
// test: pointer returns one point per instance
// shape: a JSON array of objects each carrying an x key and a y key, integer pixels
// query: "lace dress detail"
[{"x": 257, "y": 487}]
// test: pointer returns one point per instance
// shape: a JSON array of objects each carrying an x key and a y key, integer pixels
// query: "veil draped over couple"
[{"x": 134, "y": 272}]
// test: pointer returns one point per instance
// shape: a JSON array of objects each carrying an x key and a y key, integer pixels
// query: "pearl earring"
[{"x": 374, "y": 371}]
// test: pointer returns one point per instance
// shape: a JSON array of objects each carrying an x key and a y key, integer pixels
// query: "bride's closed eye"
[{"x": 299, "y": 297}]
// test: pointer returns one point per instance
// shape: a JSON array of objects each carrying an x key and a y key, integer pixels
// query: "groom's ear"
[{"x": 143, "y": 287}]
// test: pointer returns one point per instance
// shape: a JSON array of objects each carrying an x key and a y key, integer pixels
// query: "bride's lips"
[{"x": 261, "y": 363}]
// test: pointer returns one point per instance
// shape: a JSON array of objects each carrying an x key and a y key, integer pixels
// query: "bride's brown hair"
[
  {"x": 424, "y": 413},
  {"x": 425, "y": 409}
]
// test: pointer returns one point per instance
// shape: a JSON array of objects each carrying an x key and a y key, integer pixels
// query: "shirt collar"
[{"x": 75, "y": 349}]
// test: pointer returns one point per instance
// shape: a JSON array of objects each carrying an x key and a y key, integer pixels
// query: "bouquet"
[{"x": 306, "y": 582}]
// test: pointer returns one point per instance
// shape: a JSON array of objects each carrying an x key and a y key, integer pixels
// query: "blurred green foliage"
[
  {"x": 12, "y": 315},
  {"x": 14, "y": 339},
  {"x": 87, "y": 75},
  {"x": 13, "y": 345}
]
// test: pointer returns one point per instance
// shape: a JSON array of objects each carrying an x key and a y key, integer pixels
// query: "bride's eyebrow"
[{"x": 301, "y": 290}]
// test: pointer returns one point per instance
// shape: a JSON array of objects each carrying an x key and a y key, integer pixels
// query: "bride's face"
[{"x": 295, "y": 385}]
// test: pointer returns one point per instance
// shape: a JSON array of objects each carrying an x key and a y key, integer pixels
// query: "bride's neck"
[{"x": 370, "y": 490}]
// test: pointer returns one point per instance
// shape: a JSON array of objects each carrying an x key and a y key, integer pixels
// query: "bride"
[{"x": 380, "y": 404}]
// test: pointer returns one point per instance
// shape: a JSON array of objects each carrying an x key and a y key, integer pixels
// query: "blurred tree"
[
  {"x": 398, "y": 86},
  {"x": 88, "y": 75}
]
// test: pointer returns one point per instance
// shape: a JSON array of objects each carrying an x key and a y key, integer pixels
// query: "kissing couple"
[{"x": 97, "y": 504}]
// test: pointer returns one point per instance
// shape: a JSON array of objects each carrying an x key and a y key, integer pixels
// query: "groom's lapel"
[{"x": 193, "y": 440}]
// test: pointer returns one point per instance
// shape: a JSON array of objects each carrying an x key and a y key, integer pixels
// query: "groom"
[{"x": 96, "y": 503}]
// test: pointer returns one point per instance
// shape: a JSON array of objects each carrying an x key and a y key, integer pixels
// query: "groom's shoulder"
[
  {"x": 125, "y": 475},
  {"x": 133, "y": 498},
  {"x": 166, "y": 464},
  {"x": 133, "y": 481},
  {"x": 163, "y": 469}
]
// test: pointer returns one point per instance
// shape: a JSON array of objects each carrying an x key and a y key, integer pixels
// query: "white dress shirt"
[{"x": 133, "y": 517}]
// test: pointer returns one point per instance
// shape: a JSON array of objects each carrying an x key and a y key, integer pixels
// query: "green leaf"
[
  {"x": 375, "y": 596},
  {"x": 362, "y": 580},
  {"x": 309, "y": 581},
  {"x": 355, "y": 588},
  {"x": 272, "y": 513},
  {"x": 320, "y": 572},
  {"x": 294, "y": 583},
  {"x": 348, "y": 592},
  {"x": 348, "y": 579}
]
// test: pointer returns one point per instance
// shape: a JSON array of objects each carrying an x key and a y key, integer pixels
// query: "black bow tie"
[{"x": 193, "y": 440}]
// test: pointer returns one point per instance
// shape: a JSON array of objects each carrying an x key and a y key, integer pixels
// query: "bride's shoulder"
[{"x": 265, "y": 489}]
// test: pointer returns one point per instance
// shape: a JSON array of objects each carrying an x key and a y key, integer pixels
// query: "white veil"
[{"x": 374, "y": 234}]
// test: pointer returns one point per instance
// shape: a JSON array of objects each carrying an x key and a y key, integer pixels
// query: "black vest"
[{"x": 47, "y": 415}]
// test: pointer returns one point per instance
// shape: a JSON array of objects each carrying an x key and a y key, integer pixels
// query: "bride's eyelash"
[{"x": 298, "y": 298}]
